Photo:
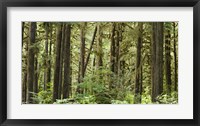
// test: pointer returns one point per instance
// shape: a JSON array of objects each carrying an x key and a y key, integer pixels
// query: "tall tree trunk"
[
  {"x": 157, "y": 60},
  {"x": 90, "y": 50},
  {"x": 82, "y": 56},
  {"x": 168, "y": 61},
  {"x": 99, "y": 47},
  {"x": 24, "y": 83},
  {"x": 117, "y": 49},
  {"x": 30, "y": 71},
  {"x": 175, "y": 62},
  {"x": 46, "y": 55},
  {"x": 112, "y": 55},
  {"x": 57, "y": 62},
  {"x": 67, "y": 60},
  {"x": 99, "y": 54},
  {"x": 49, "y": 58},
  {"x": 141, "y": 81},
  {"x": 35, "y": 85},
  {"x": 137, "y": 97},
  {"x": 61, "y": 62},
  {"x": 112, "y": 49}
]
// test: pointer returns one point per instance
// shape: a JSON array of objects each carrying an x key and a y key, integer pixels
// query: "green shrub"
[
  {"x": 79, "y": 99},
  {"x": 118, "y": 102},
  {"x": 168, "y": 99},
  {"x": 43, "y": 97}
]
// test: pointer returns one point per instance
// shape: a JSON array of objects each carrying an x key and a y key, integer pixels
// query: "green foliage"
[
  {"x": 146, "y": 97},
  {"x": 119, "y": 102},
  {"x": 100, "y": 84},
  {"x": 43, "y": 97},
  {"x": 129, "y": 98},
  {"x": 101, "y": 90},
  {"x": 79, "y": 99},
  {"x": 168, "y": 99}
]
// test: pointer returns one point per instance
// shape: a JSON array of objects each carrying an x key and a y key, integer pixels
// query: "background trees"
[{"x": 100, "y": 62}]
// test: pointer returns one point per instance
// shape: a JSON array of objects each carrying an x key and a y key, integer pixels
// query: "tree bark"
[
  {"x": 90, "y": 50},
  {"x": 24, "y": 83},
  {"x": 112, "y": 49},
  {"x": 35, "y": 85},
  {"x": 99, "y": 47},
  {"x": 49, "y": 58},
  {"x": 57, "y": 62},
  {"x": 168, "y": 61},
  {"x": 46, "y": 55},
  {"x": 137, "y": 97},
  {"x": 117, "y": 50},
  {"x": 112, "y": 54},
  {"x": 82, "y": 56},
  {"x": 67, "y": 60},
  {"x": 175, "y": 62},
  {"x": 157, "y": 60},
  {"x": 30, "y": 71},
  {"x": 61, "y": 62}
]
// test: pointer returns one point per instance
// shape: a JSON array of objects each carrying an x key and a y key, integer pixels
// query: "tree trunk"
[
  {"x": 99, "y": 47},
  {"x": 46, "y": 55},
  {"x": 35, "y": 85},
  {"x": 168, "y": 61},
  {"x": 112, "y": 55},
  {"x": 67, "y": 60},
  {"x": 30, "y": 71},
  {"x": 117, "y": 50},
  {"x": 112, "y": 49},
  {"x": 49, "y": 59},
  {"x": 82, "y": 56},
  {"x": 137, "y": 97},
  {"x": 61, "y": 62},
  {"x": 157, "y": 60},
  {"x": 24, "y": 83},
  {"x": 175, "y": 62},
  {"x": 90, "y": 50},
  {"x": 57, "y": 62},
  {"x": 99, "y": 54}
]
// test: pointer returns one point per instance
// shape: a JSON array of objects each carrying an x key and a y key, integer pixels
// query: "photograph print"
[{"x": 99, "y": 63}]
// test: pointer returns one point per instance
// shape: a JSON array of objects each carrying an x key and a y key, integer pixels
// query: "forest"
[{"x": 99, "y": 62}]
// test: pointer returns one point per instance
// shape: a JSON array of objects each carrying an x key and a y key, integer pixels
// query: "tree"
[
  {"x": 24, "y": 68},
  {"x": 90, "y": 50},
  {"x": 99, "y": 62},
  {"x": 35, "y": 80},
  {"x": 30, "y": 69},
  {"x": 67, "y": 60},
  {"x": 46, "y": 61},
  {"x": 175, "y": 59},
  {"x": 49, "y": 57},
  {"x": 117, "y": 49},
  {"x": 112, "y": 48},
  {"x": 157, "y": 60},
  {"x": 60, "y": 87},
  {"x": 57, "y": 61},
  {"x": 82, "y": 55},
  {"x": 168, "y": 58},
  {"x": 138, "y": 84}
]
